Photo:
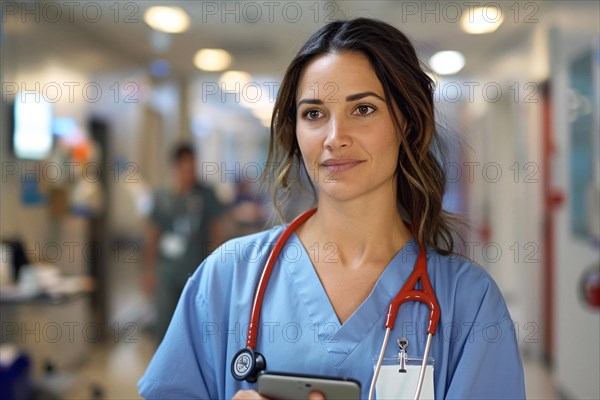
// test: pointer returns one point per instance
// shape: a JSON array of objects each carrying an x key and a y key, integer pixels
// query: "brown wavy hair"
[{"x": 420, "y": 174}]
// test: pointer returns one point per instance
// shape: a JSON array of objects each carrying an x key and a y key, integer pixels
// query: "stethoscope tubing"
[
  {"x": 423, "y": 366},
  {"x": 266, "y": 274},
  {"x": 409, "y": 293},
  {"x": 379, "y": 362}
]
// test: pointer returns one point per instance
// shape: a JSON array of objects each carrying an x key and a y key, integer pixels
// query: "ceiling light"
[
  {"x": 447, "y": 62},
  {"x": 167, "y": 19},
  {"x": 482, "y": 20},
  {"x": 212, "y": 59}
]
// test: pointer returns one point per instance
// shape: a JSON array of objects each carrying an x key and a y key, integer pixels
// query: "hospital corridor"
[{"x": 135, "y": 140}]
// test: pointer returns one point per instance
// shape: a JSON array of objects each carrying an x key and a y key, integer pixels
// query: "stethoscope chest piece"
[{"x": 247, "y": 364}]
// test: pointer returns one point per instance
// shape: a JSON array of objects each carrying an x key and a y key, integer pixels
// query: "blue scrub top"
[{"x": 475, "y": 347}]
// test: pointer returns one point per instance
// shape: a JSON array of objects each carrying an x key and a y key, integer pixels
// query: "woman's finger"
[
  {"x": 316, "y": 396},
  {"x": 248, "y": 395}
]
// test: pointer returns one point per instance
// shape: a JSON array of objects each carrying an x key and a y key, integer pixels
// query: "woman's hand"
[{"x": 253, "y": 395}]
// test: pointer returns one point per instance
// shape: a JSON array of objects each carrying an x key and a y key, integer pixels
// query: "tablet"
[{"x": 284, "y": 386}]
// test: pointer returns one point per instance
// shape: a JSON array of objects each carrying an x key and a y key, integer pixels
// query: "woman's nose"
[{"x": 338, "y": 134}]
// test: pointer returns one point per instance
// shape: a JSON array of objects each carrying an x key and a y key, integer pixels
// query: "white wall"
[
  {"x": 503, "y": 130},
  {"x": 577, "y": 327},
  {"x": 509, "y": 132}
]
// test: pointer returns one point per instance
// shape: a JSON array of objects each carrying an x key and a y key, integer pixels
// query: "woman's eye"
[
  {"x": 364, "y": 110},
  {"x": 312, "y": 115}
]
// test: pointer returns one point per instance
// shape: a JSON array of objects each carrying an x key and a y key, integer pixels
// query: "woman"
[{"x": 356, "y": 112}]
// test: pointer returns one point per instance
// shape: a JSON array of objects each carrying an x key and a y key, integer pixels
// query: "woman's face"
[
  {"x": 185, "y": 170},
  {"x": 345, "y": 130}
]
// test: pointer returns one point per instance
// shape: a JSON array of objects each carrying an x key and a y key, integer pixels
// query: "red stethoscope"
[{"x": 248, "y": 363}]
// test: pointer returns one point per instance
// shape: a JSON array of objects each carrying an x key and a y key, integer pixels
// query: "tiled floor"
[
  {"x": 111, "y": 372},
  {"x": 539, "y": 382}
]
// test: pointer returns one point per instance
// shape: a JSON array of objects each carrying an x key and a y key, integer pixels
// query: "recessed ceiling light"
[
  {"x": 482, "y": 20},
  {"x": 167, "y": 19},
  {"x": 447, "y": 62},
  {"x": 212, "y": 59}
]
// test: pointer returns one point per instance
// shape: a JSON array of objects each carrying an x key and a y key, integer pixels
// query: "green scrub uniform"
[{"x": 183, "y": 221}]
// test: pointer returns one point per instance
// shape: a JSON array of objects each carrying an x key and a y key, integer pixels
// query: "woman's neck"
[{"x": 359, "y": 232}]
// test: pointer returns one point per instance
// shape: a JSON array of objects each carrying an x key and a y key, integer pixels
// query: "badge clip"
[{"x": 402, "y": 354}]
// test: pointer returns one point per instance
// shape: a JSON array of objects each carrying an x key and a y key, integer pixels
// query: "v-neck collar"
[{"x": 341, "y": 339}]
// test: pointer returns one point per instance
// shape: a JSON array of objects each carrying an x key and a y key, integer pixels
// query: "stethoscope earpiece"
[{"x": 247, "y": 364}]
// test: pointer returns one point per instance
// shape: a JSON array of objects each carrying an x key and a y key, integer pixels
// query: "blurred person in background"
[{"x": 184, "y": 227}]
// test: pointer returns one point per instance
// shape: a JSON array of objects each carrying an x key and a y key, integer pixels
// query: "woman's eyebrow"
[
  {"x": 309, "y": 101},
  {"x": 358, "y": 96},
  {"x": 352, "y": 97}
]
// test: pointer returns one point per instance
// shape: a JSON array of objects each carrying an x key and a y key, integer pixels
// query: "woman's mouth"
[{"x": 339, "y": 165}]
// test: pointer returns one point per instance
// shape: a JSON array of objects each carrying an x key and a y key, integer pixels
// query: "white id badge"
[
  {"x": 393, "y": 384},
  {"x": 172, "y": 245}
]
